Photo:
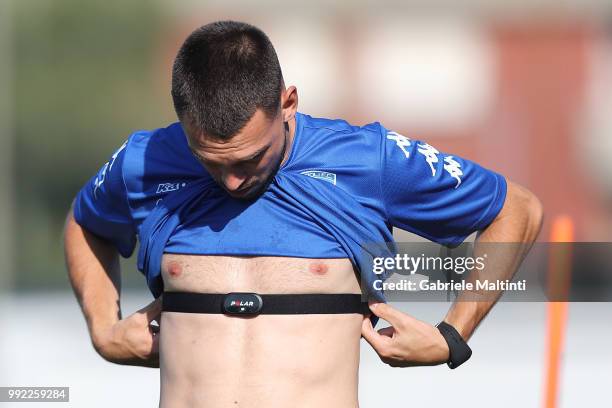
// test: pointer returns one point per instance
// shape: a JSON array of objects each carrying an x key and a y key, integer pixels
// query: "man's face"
[{"x": 245, "y": 164}]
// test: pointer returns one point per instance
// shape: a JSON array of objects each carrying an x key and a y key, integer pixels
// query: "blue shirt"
[{"x": 342, "y": 185}]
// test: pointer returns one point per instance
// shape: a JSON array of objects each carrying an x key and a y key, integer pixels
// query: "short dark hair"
[{"x": 222, "y": 74}]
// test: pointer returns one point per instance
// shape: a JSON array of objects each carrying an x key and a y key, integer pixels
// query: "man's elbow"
[
  {"x": 535, "y": 215},
  {"x": 525, "y": 208}
]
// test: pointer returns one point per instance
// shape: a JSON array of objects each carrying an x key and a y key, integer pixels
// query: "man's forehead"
[
  {"x": 242, "y": 146},
  {"x": 257, "y": 124}
]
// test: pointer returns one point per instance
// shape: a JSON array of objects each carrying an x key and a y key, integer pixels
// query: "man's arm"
[
  {"x": 94, "y": 272},
  {"x": 519, "y": 221},
  {"x": 411, "y": 342}
]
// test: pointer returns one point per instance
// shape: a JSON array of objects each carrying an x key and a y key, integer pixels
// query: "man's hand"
[
  {"x": 95, "y": 276},
  {"x": 133, "y": 340},
  {"x": 407, "y": 342}
]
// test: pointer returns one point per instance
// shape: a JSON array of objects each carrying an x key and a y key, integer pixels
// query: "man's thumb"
[{"x": 153, "y": 309}]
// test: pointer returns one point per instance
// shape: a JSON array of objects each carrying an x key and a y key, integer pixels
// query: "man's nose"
[{"x": 233, "y": 180}]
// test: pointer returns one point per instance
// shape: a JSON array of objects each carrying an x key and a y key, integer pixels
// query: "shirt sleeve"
[
  {"x": 101, "y": 206},
  {"x": 441, "y": 197}
]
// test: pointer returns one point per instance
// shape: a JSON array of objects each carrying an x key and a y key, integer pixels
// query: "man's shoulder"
[
  {"x": 169, "y": 139},
  {"x": 341, "y": 140},
  {"x": 158, "y": 157},
  {"x": 347, "y": 155},
  {"x": 339, "y": 126},
  {"x": 160, "y": 145}
]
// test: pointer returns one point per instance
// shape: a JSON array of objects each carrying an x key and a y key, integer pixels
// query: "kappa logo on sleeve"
[
  {"x": 453, "y": 168},
  {"x": 401, "y": 141},
  {"x": 107, "y": 167},
  {"x": 430, "y": 154}
]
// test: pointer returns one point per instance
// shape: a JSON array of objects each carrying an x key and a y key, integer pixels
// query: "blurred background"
[{"x": 524, "y": 88}]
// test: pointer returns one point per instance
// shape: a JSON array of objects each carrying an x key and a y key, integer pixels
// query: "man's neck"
[{"x": 289, "y": 135}]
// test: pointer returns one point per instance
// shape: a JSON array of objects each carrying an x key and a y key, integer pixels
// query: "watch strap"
[{"x": 459, "y": 351}]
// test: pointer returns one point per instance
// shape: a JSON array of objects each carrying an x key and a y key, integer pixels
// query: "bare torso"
[{"x": 213, "y": 360}]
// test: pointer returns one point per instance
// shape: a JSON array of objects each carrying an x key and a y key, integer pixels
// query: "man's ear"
[{"x": 289, "y": 103}]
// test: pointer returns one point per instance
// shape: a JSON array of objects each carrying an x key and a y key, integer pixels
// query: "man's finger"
[
  {"x": 378, "y": 342},
  {"x": 387, "y": 331},
  {"x": 389, "y": 313}
]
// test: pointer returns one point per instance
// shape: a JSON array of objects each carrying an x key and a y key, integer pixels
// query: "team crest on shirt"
[{"x": 321, "y": 175}]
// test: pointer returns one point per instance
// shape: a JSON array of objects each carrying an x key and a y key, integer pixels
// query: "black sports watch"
[{"x": 459, "y": 351}]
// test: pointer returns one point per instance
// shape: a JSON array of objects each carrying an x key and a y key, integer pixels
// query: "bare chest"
[{"x": 262, "y": 274}]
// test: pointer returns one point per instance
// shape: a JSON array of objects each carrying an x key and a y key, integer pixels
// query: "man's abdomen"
[{"x": 213, "y": 360}]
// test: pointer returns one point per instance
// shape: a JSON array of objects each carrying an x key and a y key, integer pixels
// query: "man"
[{"x": 247, "y": 195}]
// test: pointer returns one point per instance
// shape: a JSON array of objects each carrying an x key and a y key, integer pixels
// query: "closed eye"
[{"x": 254, "y": 159}]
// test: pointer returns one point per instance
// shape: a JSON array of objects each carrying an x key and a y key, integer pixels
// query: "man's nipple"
[
  {"x": 318, "y": 268},
  {"x": 175, "y": 269}
]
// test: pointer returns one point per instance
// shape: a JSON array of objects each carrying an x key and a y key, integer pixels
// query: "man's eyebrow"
[
  {"x": 256, "y": 154},
  {"x": 249, "y": 157}
]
